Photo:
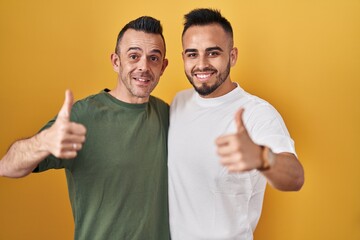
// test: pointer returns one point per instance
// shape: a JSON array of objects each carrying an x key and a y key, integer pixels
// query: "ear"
[
  {"x": 115, "y": 62},
  {"x": 183, "y": 55},
  {"x": 164, "y": 65},
  {"x": 233, "y": 56}
]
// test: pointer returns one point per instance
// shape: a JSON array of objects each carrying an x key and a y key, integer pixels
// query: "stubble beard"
[{"x": 137, "y": 91}]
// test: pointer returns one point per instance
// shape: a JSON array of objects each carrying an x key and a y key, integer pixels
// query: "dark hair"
[
  {"x": 206, "y": 16},
  {"x": 144, "y": 24}
]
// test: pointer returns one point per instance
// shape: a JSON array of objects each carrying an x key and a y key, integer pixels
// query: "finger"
[
  {"x": 76, "y": 146},
  {"x": 222, "y": 141},
  {"x": 72, "y": 138},
  {"x": 66, "y": 107},
  {"x": 68, "y": 154},
  {"x": 231, "y": 159},
  {"x": 237, "y": 167},
  {"x": 77, "y": 129},
  {"x": 69, "y": 150},
  {"x": 238, "y": 120},
  {"x": 230, "y": 145}
]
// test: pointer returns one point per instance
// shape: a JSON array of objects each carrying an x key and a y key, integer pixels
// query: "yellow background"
[{"x": 302, "y": 56}]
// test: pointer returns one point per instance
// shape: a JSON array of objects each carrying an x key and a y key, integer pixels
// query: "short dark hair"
[
  {"x": 144, "y": 24},
  {"x": 206, "y": 16}
]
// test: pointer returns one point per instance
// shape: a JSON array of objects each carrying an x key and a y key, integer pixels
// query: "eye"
[
  {"x": 213, "y": 54},
  {"x": 191, "y": 55},
  {"x": 154, "y": 58},
  {"x": 133, "y": 56}
]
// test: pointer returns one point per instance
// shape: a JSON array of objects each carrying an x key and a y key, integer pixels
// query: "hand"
[
  {"x": 237, "y": 151},
  {"x": 64, "y": 138}
]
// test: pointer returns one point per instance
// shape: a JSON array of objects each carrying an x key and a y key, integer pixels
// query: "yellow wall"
[{"x": 302, "y": 56}]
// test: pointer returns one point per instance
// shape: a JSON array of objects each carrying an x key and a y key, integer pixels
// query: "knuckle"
[{"x": 238, "y": 156}]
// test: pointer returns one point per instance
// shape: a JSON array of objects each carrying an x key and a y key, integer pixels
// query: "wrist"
[
  {"x": 267, "y": 158},
  {"x": 41, "y": 143}
]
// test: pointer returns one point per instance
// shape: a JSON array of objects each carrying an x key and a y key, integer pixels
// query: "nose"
[
  {"x": 203, "y": 62},
  {"x": 143, "y": 64}
]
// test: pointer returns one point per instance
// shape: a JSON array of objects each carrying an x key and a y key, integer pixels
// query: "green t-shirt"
[{"x": 118, "y": 182}]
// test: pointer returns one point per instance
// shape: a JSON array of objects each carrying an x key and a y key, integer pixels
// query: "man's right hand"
[{"x": 64, "y": 138}]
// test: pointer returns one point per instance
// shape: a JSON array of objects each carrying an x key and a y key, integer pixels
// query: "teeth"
[
  {"x": 142, "y": 80},
  {"x": 202, "y": 76}
]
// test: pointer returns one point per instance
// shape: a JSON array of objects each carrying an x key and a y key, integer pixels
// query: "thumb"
[
  {"x": 66, "y": 107},
  {"x": 239, "y": 121}
]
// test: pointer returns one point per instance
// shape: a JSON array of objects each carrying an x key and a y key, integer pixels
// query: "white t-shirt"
[{"x": 206, "y": 202}]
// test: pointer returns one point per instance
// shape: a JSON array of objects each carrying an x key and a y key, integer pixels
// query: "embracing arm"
[
  {"x": 239, "y": 153},
  {"x": 63, "y": 139}
]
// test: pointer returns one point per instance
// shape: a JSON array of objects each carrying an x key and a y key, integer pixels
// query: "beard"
[{"x": 205, "y": 89}]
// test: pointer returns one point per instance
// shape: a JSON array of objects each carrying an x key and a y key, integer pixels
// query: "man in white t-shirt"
[{"x": 224, "y": 143}]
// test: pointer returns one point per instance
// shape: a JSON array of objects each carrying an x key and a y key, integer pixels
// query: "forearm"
[
  {"x": 286, "y": 173},
  {"x": 23, "y": 157}
]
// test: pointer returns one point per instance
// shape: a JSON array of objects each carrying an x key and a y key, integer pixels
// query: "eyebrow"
[
  {"x": 191, "y": 50},
  {"x": 206, "y": 50},
  {"x": 214, "y": 48},
  {"x": 134, "y": 48},
  {"x": 139, "y": 49}
]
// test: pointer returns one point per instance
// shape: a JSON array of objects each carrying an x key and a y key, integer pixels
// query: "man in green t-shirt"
[{"x": 112, "y": 145}]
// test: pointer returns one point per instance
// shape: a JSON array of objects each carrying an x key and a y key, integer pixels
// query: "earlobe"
[
  {"x": 233, "y": 56},
  {"x": 165, "y": 64},
  {"x": 115, "y": 61}
]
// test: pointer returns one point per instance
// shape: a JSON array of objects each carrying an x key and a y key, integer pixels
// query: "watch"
[{"x": 267, "y": 158}]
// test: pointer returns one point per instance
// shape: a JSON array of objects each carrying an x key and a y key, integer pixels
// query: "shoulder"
[
  {"x": 255, "y": 105},
  {"x": 88, "y": 104},
  {"x": 182, "y": 96},
  {"x": 259, "y": 112},
  {"x": 92, "y": 101},
  {"x": 158, "y": 103},
  {"x": 184, "y": 93},
  {"x": 161, "y": 108}
]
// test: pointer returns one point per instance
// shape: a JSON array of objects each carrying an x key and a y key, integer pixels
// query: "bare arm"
[
  {"x": 63, "y": 139},
  {"x": 286, "y": 173},
  {"x": 22, "y": 157},
  {"x": 239, "y": 153}
]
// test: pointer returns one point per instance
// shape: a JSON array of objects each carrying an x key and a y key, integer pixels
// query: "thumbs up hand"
[
  {"x": 64, "y": 138},
  {"x": 237, "y": 151},
  {"x": 65, "y": 110}
]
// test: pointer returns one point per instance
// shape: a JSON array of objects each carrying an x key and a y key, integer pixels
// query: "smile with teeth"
[
  {"x": 142, "y": 79},
  {"x": 203, "y": 76}
]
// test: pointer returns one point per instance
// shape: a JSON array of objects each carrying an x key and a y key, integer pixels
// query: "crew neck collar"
[
  {"x": 213, "y": 102},
  {"x": 122, "y": 103}
]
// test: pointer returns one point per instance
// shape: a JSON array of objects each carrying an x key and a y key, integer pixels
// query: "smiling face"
[
  {"x": 139, "y": 63},
  {"x": 208, "y": 56}
]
